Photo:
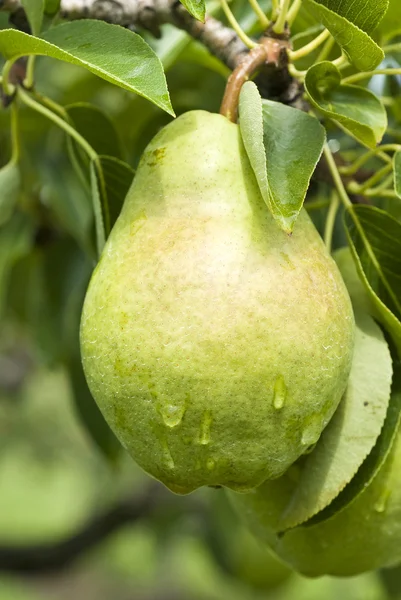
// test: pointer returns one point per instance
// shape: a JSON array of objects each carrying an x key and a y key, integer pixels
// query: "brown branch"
[
  {"x": 270, "y": 52},
  {"x": 221, "y": 41},
  {"x": 49, "y": 557}
]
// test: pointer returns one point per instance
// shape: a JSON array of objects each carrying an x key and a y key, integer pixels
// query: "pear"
[
  {"x": 216, "y": 346},
  {"x": 363, "y": 536}
]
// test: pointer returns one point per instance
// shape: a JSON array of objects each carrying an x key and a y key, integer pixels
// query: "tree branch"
[
  {"x": 221, "y": 41},
  {"x": 49, "y": 557}
]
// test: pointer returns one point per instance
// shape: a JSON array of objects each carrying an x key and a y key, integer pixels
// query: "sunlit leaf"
[
  {"x": 356, "y": 44},
  {"x": 283, "y": 166},
  {"x": 109, "y": 51},
  {"x": 353, "y": 430},
  {"x": 196, "y": 8},
  {"x": 365, "y": 14}
]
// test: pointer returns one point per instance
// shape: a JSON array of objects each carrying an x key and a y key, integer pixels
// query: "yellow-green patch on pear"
[{"x": 211, "y": 312}]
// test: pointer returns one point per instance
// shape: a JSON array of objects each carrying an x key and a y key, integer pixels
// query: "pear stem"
[{"x": 267, "y": 52}]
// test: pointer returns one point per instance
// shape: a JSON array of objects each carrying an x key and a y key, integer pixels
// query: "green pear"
[
  {"x": 216, "y": 346},
  {"x": 364, "y": 536}
]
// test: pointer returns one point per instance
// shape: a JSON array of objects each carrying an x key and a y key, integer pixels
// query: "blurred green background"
[{"x": 60, "y": 467}]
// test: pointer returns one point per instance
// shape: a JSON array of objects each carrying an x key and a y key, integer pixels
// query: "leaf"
[
  {"x": 52, "y": 7},
  {"x": 15, "y": 242},
  {"x": 118, "y": 177},
  {"x": 356, "y": 44},
  {"x": 196, "y": 8},
  {"x": 358, "y": 110},
  {"x": 68, "y": 200},
  {"x": 378, "y": 455},
  {"x": 251, "y": 126},
  {"x": 353, "y": 430},
  {"x": 283, "y": 166},
  {"x": 397, "y": 172},
  {"x": 375, "y": 242},
  {"x": 109, "y": 51},
  {"x": 358, "y": 294},
  {"x": 98, "y": 209},
  {"x": 96, "y": 127},
  {"x": 391, "y": 22},
  {"x": 365, "y": 14},
  {"x": 10, "y": 185},
  {"x": 34, "y": 11}
]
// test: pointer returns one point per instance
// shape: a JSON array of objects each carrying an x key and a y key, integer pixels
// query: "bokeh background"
[{"x": 78, "y": 519}]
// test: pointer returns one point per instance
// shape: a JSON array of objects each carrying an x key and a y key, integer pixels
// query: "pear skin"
[{"x": 216, "y": 346}]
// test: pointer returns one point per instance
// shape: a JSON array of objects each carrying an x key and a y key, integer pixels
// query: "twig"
[
  {"x": 270, "y": 51},
  {"x": 54, "y": 556},
  {"x": 221, "y": 41}
]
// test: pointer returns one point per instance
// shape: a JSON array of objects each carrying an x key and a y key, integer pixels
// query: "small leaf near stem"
[{"x": 331, "y": 219}]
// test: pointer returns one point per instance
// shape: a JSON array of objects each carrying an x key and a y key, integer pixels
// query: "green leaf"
[
  {"x": 378, "y": 455},
  {"x": 357, "y": 291},
  {"x": 353, "y": 430},
  {"x": 356, "y": 109},
  {"x": 283, "y": 167},
  {"x": 15, "y": 242},
  {"x": 118, "y": 176},
  {"x": 196, "y": 8},
  {"x": 252, "y": 132},
  {"x": 98, "y": 209},
  {"x": 391, "y": 22},
  {"x": 52, "y": 7},
  {"x": 69, "y": 201},
  {"x": 356, "y": 44},
  {"x": 365, "y": 14},
  {"x": 34, "y": 11},
  {"x": 109, "y": 51},
  {"x": 375, "y": 241},
  {"x": 397, "y": 172},
  {"x": 10, "y": 185},
  {"x": 96, "y": 127}
]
